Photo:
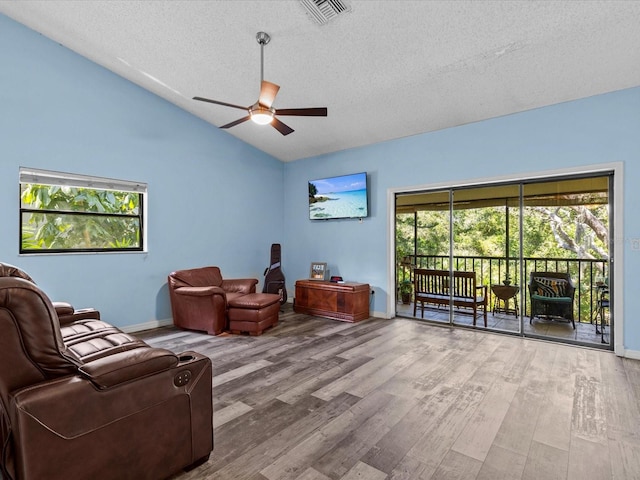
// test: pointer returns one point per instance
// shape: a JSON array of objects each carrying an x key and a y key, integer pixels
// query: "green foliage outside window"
[
  {"x": 61, "y": 218},
  {"x": 559, "y": 232}
]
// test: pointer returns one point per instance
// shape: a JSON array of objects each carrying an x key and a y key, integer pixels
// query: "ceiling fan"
[{"x": 262, "y": 112}]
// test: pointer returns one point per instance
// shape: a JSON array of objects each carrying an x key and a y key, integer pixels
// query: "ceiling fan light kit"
[
  {"x": 261, "y": 115},
  {"x": 262, "y": 111}
]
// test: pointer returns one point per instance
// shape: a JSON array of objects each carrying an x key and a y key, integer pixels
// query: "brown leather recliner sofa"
[
  {"x": 97, "y": 404},
  {"x": 200, "y": 298}
]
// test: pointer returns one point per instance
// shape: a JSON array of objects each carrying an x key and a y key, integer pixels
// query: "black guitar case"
[{"x": 274, "y": 278}]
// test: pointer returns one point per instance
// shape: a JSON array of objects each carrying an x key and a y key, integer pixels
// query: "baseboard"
[
  {"x": 139, "y": 327},
  {"x": 633, "y": 354}
]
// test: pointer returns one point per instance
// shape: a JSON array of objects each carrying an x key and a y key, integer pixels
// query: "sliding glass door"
[
  {"x": 527, "y": 258},
  {"x": 423, "y": 242},
  {"x": 566, "y": 255},
  {"x": 486, "y": 244}
]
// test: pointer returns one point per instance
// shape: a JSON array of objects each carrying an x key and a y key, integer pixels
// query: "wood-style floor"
[{"x": 318, "y": 399}]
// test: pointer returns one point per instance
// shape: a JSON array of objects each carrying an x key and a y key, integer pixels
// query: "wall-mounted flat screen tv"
[{"x": 345, "y": 196}]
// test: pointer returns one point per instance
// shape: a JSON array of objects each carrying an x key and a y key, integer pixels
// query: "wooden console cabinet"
[{"x": 347, "y": 301}]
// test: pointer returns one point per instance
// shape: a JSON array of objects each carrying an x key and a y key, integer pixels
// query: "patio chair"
[{"x": 552, "y": 295}]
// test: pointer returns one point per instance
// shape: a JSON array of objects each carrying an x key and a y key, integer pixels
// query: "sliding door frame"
[{"x": 616, "y": 246}]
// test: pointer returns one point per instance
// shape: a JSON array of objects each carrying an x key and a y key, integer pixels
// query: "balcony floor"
[{"x": 560, "y": 330}]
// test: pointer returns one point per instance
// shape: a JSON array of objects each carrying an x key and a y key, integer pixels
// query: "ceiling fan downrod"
[{"x": 262, "y": 38}]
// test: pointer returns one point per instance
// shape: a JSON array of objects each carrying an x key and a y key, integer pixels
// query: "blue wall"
[
  {"x": 62, "y": 112},
  {"x": 590, "y": 131}
]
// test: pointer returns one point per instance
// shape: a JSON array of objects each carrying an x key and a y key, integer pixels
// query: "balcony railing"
[{"x": 585, "y": 273}]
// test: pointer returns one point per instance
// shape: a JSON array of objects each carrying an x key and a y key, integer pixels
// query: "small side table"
[{"x": 504, "y": 293}]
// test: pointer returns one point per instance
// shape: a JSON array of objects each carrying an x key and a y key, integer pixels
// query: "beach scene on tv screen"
[{"x": 338, "y": 197}]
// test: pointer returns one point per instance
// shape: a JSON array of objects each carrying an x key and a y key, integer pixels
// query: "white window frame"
[{"x": 48, "y": 177}]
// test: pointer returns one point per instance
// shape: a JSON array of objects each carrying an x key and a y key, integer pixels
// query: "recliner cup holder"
[{"x": 186, "y": 358}]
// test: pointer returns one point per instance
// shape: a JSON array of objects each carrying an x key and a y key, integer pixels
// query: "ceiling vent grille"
[{"x": 324, "y": 10}]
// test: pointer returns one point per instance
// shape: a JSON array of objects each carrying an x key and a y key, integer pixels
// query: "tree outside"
[{"x": 70, "y": 218}]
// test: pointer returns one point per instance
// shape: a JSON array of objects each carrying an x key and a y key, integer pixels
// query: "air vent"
[{"x": 324, "y": 10}]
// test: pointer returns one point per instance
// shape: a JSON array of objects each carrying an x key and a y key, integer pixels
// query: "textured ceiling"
[{"x": 385, "y": 70}]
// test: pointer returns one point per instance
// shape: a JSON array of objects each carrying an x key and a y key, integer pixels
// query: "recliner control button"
[{"x": 182, "y": 378}]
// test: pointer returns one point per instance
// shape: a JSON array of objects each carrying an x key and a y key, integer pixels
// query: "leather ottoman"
[{"x": 253, "y": 313}]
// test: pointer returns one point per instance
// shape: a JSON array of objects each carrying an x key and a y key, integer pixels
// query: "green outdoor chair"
[{"x": 552, "y": 295}]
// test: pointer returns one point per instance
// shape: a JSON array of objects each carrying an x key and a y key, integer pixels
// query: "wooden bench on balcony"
[{"x": 434, "y": 287}]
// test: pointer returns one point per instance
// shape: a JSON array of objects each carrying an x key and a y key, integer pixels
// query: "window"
[{"x": 66, "y": 213}]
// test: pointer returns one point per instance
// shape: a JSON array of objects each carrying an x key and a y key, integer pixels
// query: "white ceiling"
[{"x": 386, "y": 69}]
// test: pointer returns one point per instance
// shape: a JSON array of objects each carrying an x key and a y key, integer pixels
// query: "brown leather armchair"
[
  {"x": 101, "y": 406},
  {"x": 200, "y": 296}
]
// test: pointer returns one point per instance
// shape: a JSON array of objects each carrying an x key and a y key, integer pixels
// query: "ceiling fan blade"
[
  {"x": 303, "y": 112},
  {"x": 281, "y": 127},
  {"x": 268, "y": 92},
  {"x": 220, "y": 103},
  {"x": 236, "y": 122}
]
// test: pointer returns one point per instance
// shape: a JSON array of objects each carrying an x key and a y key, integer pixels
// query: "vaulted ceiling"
[{"x": 384, "y": 69}]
